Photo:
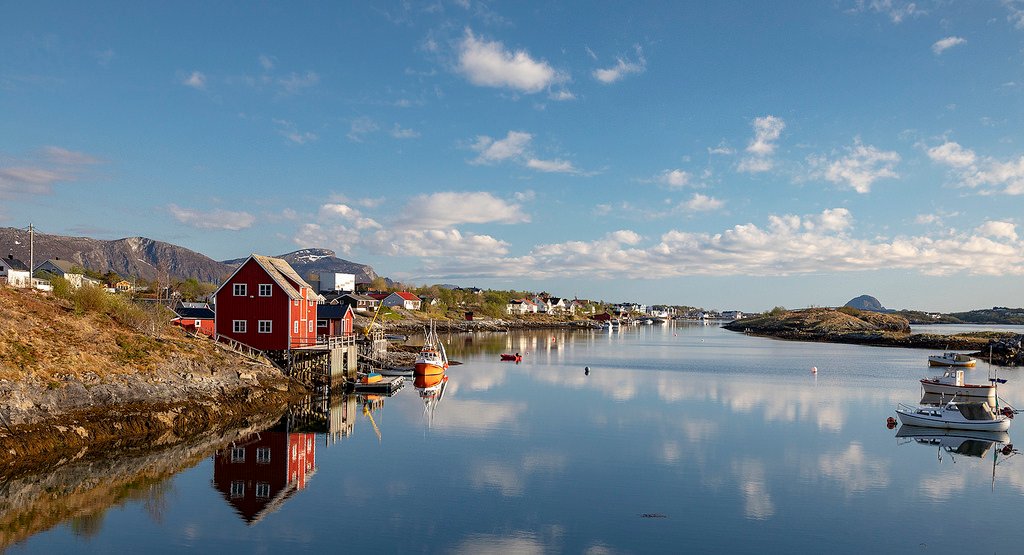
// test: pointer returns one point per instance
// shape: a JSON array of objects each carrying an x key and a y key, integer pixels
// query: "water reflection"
[
  {"x": 954, "y": 442},
  {"x": 259, "y": 473}
]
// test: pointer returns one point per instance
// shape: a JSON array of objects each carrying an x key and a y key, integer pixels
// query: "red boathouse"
[{"x": 267, "y": 306}]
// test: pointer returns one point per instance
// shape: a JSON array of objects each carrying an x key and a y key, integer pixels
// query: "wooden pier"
[{"x": 386, "y": 386}]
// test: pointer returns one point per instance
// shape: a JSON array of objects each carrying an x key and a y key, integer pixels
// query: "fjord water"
[{"x": 681, "y": 438}]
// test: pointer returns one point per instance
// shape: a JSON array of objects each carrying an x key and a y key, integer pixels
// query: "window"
[
  {"x": 263, "y": 455},
  {"x": 240, "y": 290},
  {"x": 296, "y": 326},
  {"x": 263, "y": 490},
  {"x": 237, "y": 488},
  {"x": 321, "y": 323},
  {"x": 265, "y": 289},
  {"x": 238, "y": 326},
  {"x": 265, "y": 326},
  {"x": 238, "y": 454},
  {"x": 309, "y": 326},
  {"x": 295, "y": 302}
]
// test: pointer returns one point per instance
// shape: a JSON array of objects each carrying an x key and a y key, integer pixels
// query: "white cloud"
[
  {"x": 998, "y": 230},
  {"x": 491, "y": 151},
  {"x": 942, "y": 45},
  {"x": 51, "y": 165},
  {"x": 789, "y": 245},
  {"x": 896, "y": 10},
  {"x": 447, "y": 209},
  {"x": 722, "y": 149},
  {"x": 295, "y": 82},
  {"x": 487, "y": 63},
  {"x": 196, "y": 80},
  {"x": 562, "y": 95},
  {"x": 266, "y": 62},
  {"x": 361, "y": 127},
  {"x": 288, "y": 130},
  {"x": 767, "y": 130},
  {"x": 551, "y": 166},
  {"x": 622, "y": 68},
  {"x": 859, "y": 168},
  {"x": 347, "y": 213},
  {"x": 399, "y": 132},
  {"x": 702, "y": 203},
  {"x": 435, "y": 243},
  {"x": 952, "y": 154},
  {"x": 674, "y": 179},
  {"x": 984, "y": 173},
  {"x": 213, "y": 219}
]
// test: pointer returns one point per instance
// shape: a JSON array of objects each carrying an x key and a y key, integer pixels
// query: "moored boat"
[
  {"x": 951, "y": 382},
  {"x": 513, "y": 358},
  {"x": 432, "y": 358},
  {"x": 957, "y": 415},
  {"x": 952, "y": 359}
]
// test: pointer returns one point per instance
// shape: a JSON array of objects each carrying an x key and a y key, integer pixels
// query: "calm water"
[{"x": 729, "y": 441}]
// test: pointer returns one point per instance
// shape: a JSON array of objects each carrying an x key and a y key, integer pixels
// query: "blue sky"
[{"x": 731, "y": 155}]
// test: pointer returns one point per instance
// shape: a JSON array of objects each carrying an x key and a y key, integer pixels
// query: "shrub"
[
  {"x": 777, "y": 311},
  {"x": 89, "y": 298},
  {"x": 61, "y": 287}
]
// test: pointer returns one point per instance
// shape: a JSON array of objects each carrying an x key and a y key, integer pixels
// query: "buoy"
[
  {"x": 890, "y": 422},
  {"x": 1007, "y": 449},
  {"x": 814, "y": 369},
  {"x": 586, "y": 371}
]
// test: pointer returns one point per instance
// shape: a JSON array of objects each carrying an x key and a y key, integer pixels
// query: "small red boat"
[{"x": 515, "y": 358}]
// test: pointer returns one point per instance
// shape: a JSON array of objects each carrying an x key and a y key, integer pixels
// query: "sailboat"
[{"x": 432, "y": 359}]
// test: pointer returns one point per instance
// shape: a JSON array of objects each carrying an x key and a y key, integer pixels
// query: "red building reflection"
[{"x": 258, "y": 474}]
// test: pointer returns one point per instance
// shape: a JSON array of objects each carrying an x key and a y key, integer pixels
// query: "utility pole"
[{"x": 31, "y": 257}]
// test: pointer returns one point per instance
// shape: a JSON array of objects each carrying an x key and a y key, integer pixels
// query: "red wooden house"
[
  {"x": 195, "y": 317},
  {"x": 334, "y": 319},
  {"x": 267, "y": 306}
]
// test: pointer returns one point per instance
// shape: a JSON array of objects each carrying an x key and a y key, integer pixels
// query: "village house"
[
  {"x": 198, "y": 317},
  {"x": 266, "y": 305},
  {"x": 557, "y": 305},
  {"x": 521, "y": 306},
  {"x": 123, "y": 286},
  {"x": 335, "y": 282},
  {"x": 333, "y": 320},
  {"x": 360, "y": 303},
  {"x": 15, "y": 272},
  {"x": 67, "y": 270},
  {"x": 402, "y": 299}
]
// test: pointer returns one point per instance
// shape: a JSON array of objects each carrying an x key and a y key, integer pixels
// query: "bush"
[
  {"x": 777, "y": 311},
  {"x": 89, "y": 298},
  {"x": 61, "y": 287}
]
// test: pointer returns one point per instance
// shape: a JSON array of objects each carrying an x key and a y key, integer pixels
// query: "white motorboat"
[
  {"x": 957, "y": 415},
  {"x": 951, "y": 382},
  {"x": 952, "y": 359}
]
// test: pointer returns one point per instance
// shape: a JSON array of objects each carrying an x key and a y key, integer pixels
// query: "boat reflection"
[
  {"x": 967, "y": 443},
  {"x": 258, "y": 473},
  {"x": 431, "y": 388}
]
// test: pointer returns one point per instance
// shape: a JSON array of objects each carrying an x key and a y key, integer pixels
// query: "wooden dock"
[{"x": 386, "y": 386}]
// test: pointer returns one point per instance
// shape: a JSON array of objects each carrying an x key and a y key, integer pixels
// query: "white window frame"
[
  {"x": 321, "y": 323},
  {"x": 296, "y": 327},
  {"x": 263, "y": 490},
  {"x": 237, "y": 488},
  {"x": 239, "y": 326},
  {"x": 238, "y": 454},
  {"x": 240, "y": 289},
  {"x": 269, "y": 326},
  {"x": 263, "y": 455},
  {"x": 309, "y": 326},
  {"x": 266, "y": 289}
]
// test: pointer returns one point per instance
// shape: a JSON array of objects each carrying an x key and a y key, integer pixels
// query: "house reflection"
[{"x": 259, "y": 473}]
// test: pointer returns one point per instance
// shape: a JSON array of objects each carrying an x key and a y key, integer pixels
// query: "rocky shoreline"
[{"x": 851, "y": 326}]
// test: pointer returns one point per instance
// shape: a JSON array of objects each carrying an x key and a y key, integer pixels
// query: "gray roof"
[
  {"x": 15, "y": 264},
  {"x": 65, "y": 266}
]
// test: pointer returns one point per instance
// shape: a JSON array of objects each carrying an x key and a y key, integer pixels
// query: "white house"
[
  {"x": 403, "y": 299},
  {"x": 66, "y": 270},
  {"x": 15, "y": 272},
  {"x": 521, "y": 306}
]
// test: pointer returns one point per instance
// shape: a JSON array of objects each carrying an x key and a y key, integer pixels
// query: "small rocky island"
[{"x": 850, "y": 325}]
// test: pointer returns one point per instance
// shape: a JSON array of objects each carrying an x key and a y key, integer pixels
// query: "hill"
[
  {"x": 150, "y": 259},
  {"x": 130, "y": 256},
  {"x": 866, "y": 302},
  {"x": 317, "y": 261}
]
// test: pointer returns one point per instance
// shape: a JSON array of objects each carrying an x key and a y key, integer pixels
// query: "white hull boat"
[
  {"x": 951, "y": 383},
  {"x": 952, "y": 359},
  {"x": 955, "y": 415}
]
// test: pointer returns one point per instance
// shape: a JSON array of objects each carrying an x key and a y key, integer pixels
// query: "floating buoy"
[
  {"x": 1007, "y": 412},
  {"x": 890, "y": 422},
  {"x": 1007, "y": 449},
  {"x": 586, "y": 371},
  {"x": 814, "y": 369}
]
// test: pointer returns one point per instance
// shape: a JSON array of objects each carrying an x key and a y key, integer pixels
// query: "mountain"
[
  {"x": 128, "y": 257},
  {"x": 317, "y": 261},
  {"x": 866, "y": 302}
]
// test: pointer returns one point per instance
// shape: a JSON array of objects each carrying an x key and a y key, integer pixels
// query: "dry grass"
[{"x": 45, "y": 337}]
